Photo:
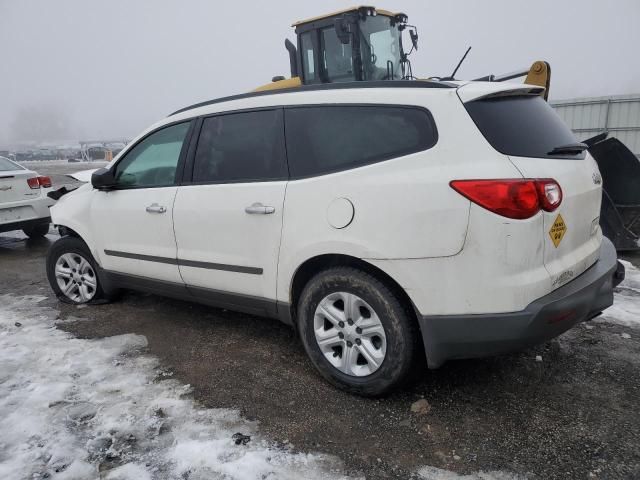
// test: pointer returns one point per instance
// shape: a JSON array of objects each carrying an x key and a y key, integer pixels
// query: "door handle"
[
  {"x": 155, "y": 208},
  {"x": 259, "y": 209}
]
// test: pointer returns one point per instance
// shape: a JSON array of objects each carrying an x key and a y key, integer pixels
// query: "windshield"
[
  {"x": 7, "y": 165},
  {"x": 380, "y": 49}
]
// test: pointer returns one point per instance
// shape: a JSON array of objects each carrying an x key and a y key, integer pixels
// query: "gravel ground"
[{"x": 575, "y": 414}]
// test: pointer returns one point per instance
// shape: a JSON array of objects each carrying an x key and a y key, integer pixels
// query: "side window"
[
  {"x": 308, "y": 61},
  {"x": 153, "y": 161},
  {"x": 332, "y": 138},
  {"x": 241, "y": 147}
]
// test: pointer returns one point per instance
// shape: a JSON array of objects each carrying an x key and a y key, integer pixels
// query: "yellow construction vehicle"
[{"x": 366, "y": 44}]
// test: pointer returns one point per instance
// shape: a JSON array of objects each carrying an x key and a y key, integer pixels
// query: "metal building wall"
[{"x": 618, "y": 115}]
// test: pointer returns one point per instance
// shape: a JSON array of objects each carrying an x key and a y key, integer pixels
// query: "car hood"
[{"x": 82, "y": 175}]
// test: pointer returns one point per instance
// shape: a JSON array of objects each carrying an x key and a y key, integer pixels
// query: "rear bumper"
[
  {"x": 19, "y": 225},
  {"x": 31, "y": 212},
  {"x": 449, "y": 337}
]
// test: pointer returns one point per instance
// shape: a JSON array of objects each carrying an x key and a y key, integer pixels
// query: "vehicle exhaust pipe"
[{"x": 293, "y": 57}]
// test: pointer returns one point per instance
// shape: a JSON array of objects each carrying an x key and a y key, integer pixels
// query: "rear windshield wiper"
[{"x": 569, "y": 149}]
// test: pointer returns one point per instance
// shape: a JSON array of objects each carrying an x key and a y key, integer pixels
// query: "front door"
[
  {"x": 228, "y": 220},
  {"x": 133, "y": 222}
]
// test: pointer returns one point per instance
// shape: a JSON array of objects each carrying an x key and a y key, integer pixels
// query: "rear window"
[
  {"x": 7, "y": 165},
  {"x": 521, "y": 126},
  {"x": 327, "y": 139}
]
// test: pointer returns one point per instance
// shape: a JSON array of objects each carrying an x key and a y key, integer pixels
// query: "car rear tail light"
[
  {"x": 550, "y": 194},
  {"x": 512, "y": 198},
  {"x": 37, "y": 182},
  {"x": 45, "y": 182}
]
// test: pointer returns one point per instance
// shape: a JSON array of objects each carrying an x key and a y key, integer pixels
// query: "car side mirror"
[{"x": 103, "y": 179}]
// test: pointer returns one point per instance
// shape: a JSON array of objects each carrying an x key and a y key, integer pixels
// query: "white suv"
[{"x": 373, "y": 217}]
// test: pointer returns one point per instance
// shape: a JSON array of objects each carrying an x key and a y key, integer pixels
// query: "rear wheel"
[
  {"x": 356, "y": 331},
  {"x": 37, "y": 231},
  {"x": 72, "y": 272}
]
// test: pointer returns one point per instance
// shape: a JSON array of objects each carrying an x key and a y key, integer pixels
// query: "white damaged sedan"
[{"x": 24, "y": 204}]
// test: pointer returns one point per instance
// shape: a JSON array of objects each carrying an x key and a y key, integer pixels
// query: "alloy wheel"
[{"x": 76, "y": 278}]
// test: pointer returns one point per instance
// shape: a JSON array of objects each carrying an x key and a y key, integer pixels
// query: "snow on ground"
[
  {"x": 626, "y": 302},
  {"x": 81, "y": 409}
]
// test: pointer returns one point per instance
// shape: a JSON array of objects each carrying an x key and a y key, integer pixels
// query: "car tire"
[
  {"x": 368, "y": 360},
  {"x": 37, "y": 231},
  {"x": 73, "y": 273}
]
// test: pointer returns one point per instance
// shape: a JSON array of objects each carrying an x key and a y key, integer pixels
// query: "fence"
[{"x": 619, "y": 116}]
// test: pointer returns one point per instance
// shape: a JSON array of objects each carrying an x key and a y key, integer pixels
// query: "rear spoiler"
[
  {"x": 481, "y": 91},
  {"x": 538, "y": 74}
]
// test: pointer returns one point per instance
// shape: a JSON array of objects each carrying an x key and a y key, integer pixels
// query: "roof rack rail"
[{"x": 327, "y": 86}]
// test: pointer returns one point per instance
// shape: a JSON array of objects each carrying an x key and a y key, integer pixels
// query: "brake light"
[
  {"x": 33, "y": 183},
  {"x": 512, "y": 198},
  {"x": 45, "y": 182}
]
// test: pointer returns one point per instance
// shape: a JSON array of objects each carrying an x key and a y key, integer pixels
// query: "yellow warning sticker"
[{"x": 558, "y": 229}]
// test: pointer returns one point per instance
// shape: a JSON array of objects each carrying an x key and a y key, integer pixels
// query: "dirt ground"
[{"x": 575, "y": 414}]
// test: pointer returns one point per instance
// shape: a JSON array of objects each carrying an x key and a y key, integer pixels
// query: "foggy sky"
[{"x": 109, "y": 69}]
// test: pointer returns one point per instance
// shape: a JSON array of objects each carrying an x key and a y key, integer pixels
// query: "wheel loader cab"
[
  {"x": 366, "y": 44},
  {"x": 358, "y": 44}
]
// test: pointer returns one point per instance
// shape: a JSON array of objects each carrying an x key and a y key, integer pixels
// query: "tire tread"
[{"x": 380, "y": 383}]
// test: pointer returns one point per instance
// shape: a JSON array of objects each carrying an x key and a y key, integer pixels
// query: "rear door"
[
  {"x": 526, "y": 128},
  {"x": 228, "y": 220}
]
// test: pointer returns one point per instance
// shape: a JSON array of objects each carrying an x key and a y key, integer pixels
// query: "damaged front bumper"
[{"x": 449, "y": 337}]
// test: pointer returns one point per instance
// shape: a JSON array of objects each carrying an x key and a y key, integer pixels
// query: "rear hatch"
[{"x": 521, "y": 125}]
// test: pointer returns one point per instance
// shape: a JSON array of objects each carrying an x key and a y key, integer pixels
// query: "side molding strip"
[
  {"x": 186, "y": 263},
  {"x": 136, "y": 256},
  {"x": 220, "y": 266}
]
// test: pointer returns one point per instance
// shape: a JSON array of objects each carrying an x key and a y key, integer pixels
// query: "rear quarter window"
[
  {"x": 324, "y": 139},
  {"x": 521, "y": 126}
]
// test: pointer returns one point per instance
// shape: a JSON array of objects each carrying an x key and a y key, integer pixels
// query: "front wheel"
[
  {"x": 72, "y": 272},
  {"x": 356, "y": 332}
]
